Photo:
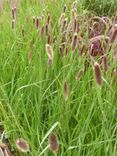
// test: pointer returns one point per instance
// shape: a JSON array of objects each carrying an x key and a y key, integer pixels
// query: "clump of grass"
[{"x": 32, "y": 96}]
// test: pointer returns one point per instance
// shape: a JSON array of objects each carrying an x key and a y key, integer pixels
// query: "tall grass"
[{"x": 34, "y": 101}]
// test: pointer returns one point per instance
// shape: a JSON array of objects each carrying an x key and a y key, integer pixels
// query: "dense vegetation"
[{"x": 58, "y": 77}]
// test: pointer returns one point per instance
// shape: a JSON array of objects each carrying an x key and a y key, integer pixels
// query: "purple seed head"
[
  {"x": 74, "y": 42},
  {"x": 53, "y": 142},
  {"x": 47, "y": 29},
  {"x": 97, "y": 74},
  {"x": 48, "y": 39},
  {"x": 22, "y": 145},
  {"x": 37, "y": 22},
  {"x": 48, "y": 19}
]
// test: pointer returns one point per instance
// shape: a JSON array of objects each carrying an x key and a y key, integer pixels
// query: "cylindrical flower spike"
[
  {"x": 53, "y": 142},
  {"x": 63, "y": 25},
  {"x": 74, "y": 5},
  {"x": 74, "y": 42},
  {"x": 13, "y": 13},
  {"x": 47, "y": 29},
  {"x": 61, "y": 19},
  {"x": 48, "y": 39},
  {"x": 75, "y": 26},
  {"x": 48, "y": 19},
  {"x": 64, "y": 8},
  {"x": 74, "y": 14},
  {"x": 37, "y": 22},
  {"x": 50, "y": 53},
  {"x": 97, "y": 74}
]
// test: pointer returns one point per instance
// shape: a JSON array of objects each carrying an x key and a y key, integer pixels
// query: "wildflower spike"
[{"x": 97, "y": 74}]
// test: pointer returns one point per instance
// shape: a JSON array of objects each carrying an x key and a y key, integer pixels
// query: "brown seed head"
[
  {"x": 48, "y": 39},
  {"x": 97, "y": 74},
  {"x": 74, "y": 14},
  {"x": 13, "y": 13},
  {"x": 49, "y": 51},
  {"x": 48, "y": 19},
  {"x": 61, "y": 19},
  {"x": 37, "y": 22},
  {"x": 53, "y": 142},
  {"x": 74, "y": 42},
  {"x": 47, "y": 29},
  {"x": 63, "y": 25},
  {"x": 22, "y": 145},
  {"x": 64, "y": 8}
]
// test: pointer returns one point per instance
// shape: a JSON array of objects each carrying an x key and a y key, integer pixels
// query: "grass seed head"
[
  {"x": 74, "y": 5},
  {"x": 48, "y": 39},
  {"x": 48, "y": 19},
  {"x": 64, "y": 8},
  {"x": 53, "y": 142},
  {"x": 49, "y": 51},
  {"x": 22, "y": 145},
  {"x": 113, "y": 35},
  {"x": 61, "y": 19},
  {"x": 47, "y": 29},
  {"x": 74, "y": 14},
  {"x": 13, "y": 13},
  {"x": 63, "y": 25},
  {"x": 97, "y": 74},
  {"x": 74, "y": 42},
  {"x": 37, "y": 22}
]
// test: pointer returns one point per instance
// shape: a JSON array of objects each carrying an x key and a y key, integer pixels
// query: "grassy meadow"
[{"x": 58, "y": 78}]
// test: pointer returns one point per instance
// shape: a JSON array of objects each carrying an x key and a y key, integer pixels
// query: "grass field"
[{"x": 49, "y": 81}]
